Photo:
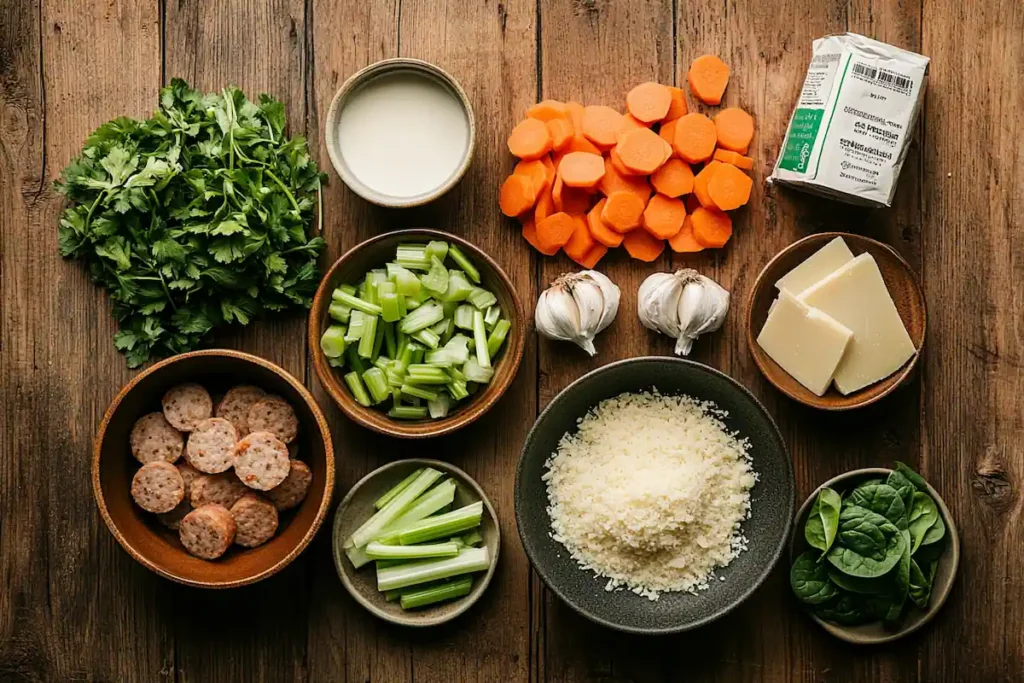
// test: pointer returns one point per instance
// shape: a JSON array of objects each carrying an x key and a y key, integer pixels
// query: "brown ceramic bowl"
[
  {"x": 903, "y": 284},
  {"x": 374, "y": 253},
  {"x": 357, "y": 507},
  {"x": 157, "y": 547},
  {"x": 945, "y": 574}
]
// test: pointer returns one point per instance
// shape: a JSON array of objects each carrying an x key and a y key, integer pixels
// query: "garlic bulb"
[
  {"x": 576, "y": 307},
  {"x": 684, "y": 305}
]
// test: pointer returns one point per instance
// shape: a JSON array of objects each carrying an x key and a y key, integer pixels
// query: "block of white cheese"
[
  {"x": 856, "y": 297},
  {"x": 816, "y": 267},
  {"x": 805, "y": 342}
]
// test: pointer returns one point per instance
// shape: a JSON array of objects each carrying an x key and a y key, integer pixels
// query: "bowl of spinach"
[{"x": 874, "y": 554}]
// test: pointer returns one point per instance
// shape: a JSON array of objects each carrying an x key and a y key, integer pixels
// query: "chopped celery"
[
  {"x": 396, "y": 489},
  {"x": 390, "y": 345},
  {"x": 386, "y": 287},
  {"x": 481, "y": 298},
  {"x": 480, "y": 337},
  {"x": 339, "y": 312},
  {"x": 497, "y": 337},
  {"x": 354, "y": 361},
  {"x": 332, "y": 342},
  {"x": 356, "y": 324},
  {"x": 426, "y": 374},
  {"x": 436, "y": 279},
  {"x": 474, "y": 372},
  {"x": 357, "y": 556},
  {"x": 408, "y": 412},
  {"x": 458, "y": 390},
  {"x": 464, "y": 317},
  {"x": 464, "y": 263},
  {"x": 403, "y": 310},
  {"x": 442, "y": 526},
  {"x": 391, "y": 596},
  {"x": 423, "y": 317},
  {"x": 430, "y": 502},
  {"x": 472, "y": 538},
  {"x": 405, "y": 358},
  {"x": 379, "y": 551},
  {"x": 492, "y": 316},
  {"x": 449, "y": 308},
  {"x": 418, "y": 392},
  {"x": 438, "y": 249},
  {"x": 369, "y": 335},
  {"x": 456, "y": 375},
  {"x": 417, "y": 353},
  {"x": 414, "y": 263},
  {"x": 458, "y": 287},
  {"x": 430, "y": 595},
  {"x": 406, "y": 282},
  {"x": 378, "y": 386},
  {"x": 441, "y": 327},
  {"x": 336, "y": 362},
  {"x": 378, "y": 339},
  {"x": 468, "y": 560},
  {"x": 442, "y": 358},
  {"x": 438, "y": 406},
  {"x": 372, "y": 527},
  {"x": 389, "y": 308},
  {"x": 396, "y": 378},
  {"x": 373, "y": 279},
  {"x": 428, "y": 338},
  {"x": 356, "y": 303},
  {"x": 358, "y": 389}
]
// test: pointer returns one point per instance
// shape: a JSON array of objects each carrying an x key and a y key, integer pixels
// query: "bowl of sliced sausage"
[{"x": 213, "y": 468}]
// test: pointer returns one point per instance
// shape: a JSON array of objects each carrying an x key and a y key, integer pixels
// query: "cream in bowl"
[{"x": 400, "y": 132}]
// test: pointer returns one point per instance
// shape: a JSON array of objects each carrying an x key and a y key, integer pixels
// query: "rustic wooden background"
[{"x": 74, "y": 606}]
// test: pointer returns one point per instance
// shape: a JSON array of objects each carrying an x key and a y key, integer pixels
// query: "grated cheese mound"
[{"x": 650, "y": 492}]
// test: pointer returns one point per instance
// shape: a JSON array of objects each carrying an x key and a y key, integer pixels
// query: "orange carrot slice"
[
  {"x": 556, "y": 192},
  {"x": 668, "y": 133},
  {"x": 554, "y": 231},
  {"x": 664, "y": 216},
  {"x": 708, "y": 77},
  {"x": 615, "y": 181},
  {"x": 735, "y": 129},
  {"x": 535, "y": 171},
  {"x": 642, "y": 151},
  {"x": 530, "y": 235},
  {"x": 595, "y": 254},
  {"x": 622, "y": 211},
  {"x": 560, "y": 131},
  {"x": 729, "y": 187},
  {"x": 576, "y": 200},
  {"x": 683, "y": 242},
  {"x": 517, "y": 195},
  {"x": 711, "y": 227},
  {"x": 529, "y": 139},
  {"x": 642, "y": 246},
  {"x": 581, "y": 169},
  {"x": 700, "y": 184},
  {"x": 678, "y": 107},
  {"x": 549, "y": 169},
  {"x": 581, "y": 144},
  {"x": 548, "y": 110},
  {"x": 576, "y": 116},
  {"x": 735, "y": 158},
  {"x": 649, "y": 102},
  {"x": 695, "y": 138},
  {"x": 598, "y": 230},
  {"x": 601, "y": 124},
  {"x": 616, "y": 160},
  {"x": 580, "y": 242},
  {"x": 673, "y": 179},
  {"x": 545, "y": 206}
]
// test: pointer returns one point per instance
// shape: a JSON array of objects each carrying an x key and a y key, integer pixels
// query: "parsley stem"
[{"x": 284, "y": 188}]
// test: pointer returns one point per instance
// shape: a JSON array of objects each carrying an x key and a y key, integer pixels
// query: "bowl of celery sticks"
[
  {"x": 416, "y": 333},
  {"x": 416, "y": 542}
]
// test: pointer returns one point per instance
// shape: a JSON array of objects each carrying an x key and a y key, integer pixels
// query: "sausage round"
[
  {"x": 186, "y": 405},
  {"x": 158, "y": 487},
  {"x": 261, "y": 461},
  {"x": 172, "y": 519},
  {"x": 236, "y": 404},
  {"x": 153, "y": 439},
  {"x": 208, "y": 531},
  {"x": 273, "y": 414},
  {"x": 211, "y": 445},
  {"x": 255, "y": 520},
  {"x": 292, "y": 491},
  {"x": 220, "y": 489}
]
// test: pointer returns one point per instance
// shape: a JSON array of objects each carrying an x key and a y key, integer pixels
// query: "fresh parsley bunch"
[{"x": 194, "y": 218}]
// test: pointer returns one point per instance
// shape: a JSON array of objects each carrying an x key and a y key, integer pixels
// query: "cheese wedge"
[
  {"x": 816, "y": 268},
  {"x": 856, "y": 297},
  {"x": 805, "y": 342}
]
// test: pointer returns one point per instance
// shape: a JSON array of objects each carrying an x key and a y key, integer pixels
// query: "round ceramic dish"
[
  {"x": 945, "y": 574},
  {"x": 771, "y": 499},
  {"x": 357, "y": 507},
  {"x": 904, "y": 287},
  {"x": 360, "y": 79},
  {"x": 371, "y": 254},
  {"x": 157, "y": 547}
]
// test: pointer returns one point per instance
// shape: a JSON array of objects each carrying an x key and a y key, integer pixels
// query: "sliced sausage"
[
  {"x": 292, "y": 491},
  {"x": 172, "y": 519},
  {"x": 255, "y": 520},
  {"x": 261, "y": 461},
  {"x": 186, "y": 405},
  {"x": 208, "y": 531},
  {"x": 211, "y": 445},
  {"x": 158, "y": 487},
  {"x": 236, "y": 404},
  {"x": 220, "y": 489},
  {"x": 273, "y": 414},
  {"x": 153, "y": 439}
]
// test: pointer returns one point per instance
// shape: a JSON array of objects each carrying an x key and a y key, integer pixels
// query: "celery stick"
[
  {"x": 473, "y": 538},
  {"x": 356, "y": 325},
  {"x": 436, "y": 279},
  {"x": 467, "y": 561},
  {"x": 373, "y": 279},
  {"x": 377, "y": 384},
  {"x": 406, "y": 282},
  {"x": 382, "y": 363},
  {"x": 379, "y": 551},
  {"x": 403, "y": 310},
  {"x": 391, "y": 596},
  {"x": 354, "y": 361},
  {"x": 389, "y": 309},
  {"x": 442, "y": 526},
  {"x": 417, "y": 353},
  {"x": 438, "y": 249},
  {"x": 395, "y": 378},
  {"x": 359, "y": 393},
  {"x": 442, "y": 358},
  {"x": 332, "y": 342},
  {"x": 384, "y": 564},
  {"x": 357, "y": 556},
  {"x": 378, "y": 339},
  {"x": 492, "y": 316},
  {"x": 356, "y": 303},
  {"x": 399, "y": 504},
  {"x": 475, "y": 373},
  {"x": 430, "y": 595},
  {"x": 408, "y": 412},
  {"x": 449, "y": 333},
  {"x": 405, "y": 357},
  {"x": 369, "y": 335},
  {"x": 483, "y": 357},
  {"x": 438, "y": 406},
  {"x": 426, "y": 374},
  {"x": 432, "y": 501},
  {"x": 336, "y": 362},
  {"x": 464, "y": 317},
  {"x": 422, "y": 318},
  {"x": 463, "y": 261},
  {"x": 458, "y": 390},
  {"x": 403, "y": 340},
  {"x": 397, "y": 488},
  {"x": 458, "y": 287},
  {"x": 390, "y": 345},
  {"x": 339, "y": 312},
  {"x": 428, "y": 338},
  {"x": 441, "y": 327},
  {"x": 497, "y": 337},
  {"x": 481, "y": 298},
  {"x": 419, "y": 392}
]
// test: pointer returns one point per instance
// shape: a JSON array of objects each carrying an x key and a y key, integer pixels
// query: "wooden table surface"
[{"x": 74, "y": 606}]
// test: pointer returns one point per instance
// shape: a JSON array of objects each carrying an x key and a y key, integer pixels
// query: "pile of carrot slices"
[{"x": 591, "y": 179}]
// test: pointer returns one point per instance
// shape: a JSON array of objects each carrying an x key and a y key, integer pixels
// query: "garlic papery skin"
[
  {"x": 684, "y": 305},
  {"x": 576, "y": 307}
]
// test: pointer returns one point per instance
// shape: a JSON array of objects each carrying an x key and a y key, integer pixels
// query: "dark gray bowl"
[{"x": 771, "y": 499}]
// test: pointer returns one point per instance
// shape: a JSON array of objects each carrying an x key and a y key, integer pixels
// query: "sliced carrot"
[
  {"x": 735, "y": 158},
  {"x": 517, "y": 195},
  {"x": 535, "y": 171},
  {"x": 549, "y": 169},
  {"x": 576, "y": 116},
  {"x": 576, "y": 200},
  {"x": 560, "y": 131},
  {"x": 545, "y": 206},
  {"x": 695, "y": 138},
  {"x": 598, "y": 230},
  {"x": 642, "y": 246},
  {"x": 629, "y": 122},
  {"x": 673, "y": 179},
  {"x": 735, "y": 129},
  {"x": 649, "y": 102},
  {"x": 700, "y": 184},
  {"x": 668, "y": 133},
  {"x": 581, "y": 144},
  {"x": 622, "y": 211},
  {"x": 708, "y": 77},
  {"x": 615, "y": 181},
  {"x": 556, "y": 191},
  {"x": 554, "y": 231},
  {"x": 580, "y": 242},
  {"x": 595, "y": 254},
  {"x": 691, "y": 203},
  {"x": 684, "y": 242},
  {"x": 616, "y": 160},
  {"x": 529, "y": 139},
  {"x": 664, "y": 216},
  {"x": 581, "y": 169},
  {"x": 642, "y": 151},
  {"x": 678, "y": 107},
  {"x": 711, "y": 227},
  {"x": 729, "y": 187},
  {"x": 548, "y": 110},
  {"x": 601, "y": 124},
  {"x": 530, "y": 234}
]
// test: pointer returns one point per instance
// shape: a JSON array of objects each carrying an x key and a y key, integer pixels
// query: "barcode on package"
[{"x": 884, "y": 77}]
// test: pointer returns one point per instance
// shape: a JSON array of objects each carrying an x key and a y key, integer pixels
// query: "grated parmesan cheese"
[{"x": 650, "y": 492}]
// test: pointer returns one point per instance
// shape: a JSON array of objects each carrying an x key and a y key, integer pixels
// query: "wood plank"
[
  {"x": 75, "y": 605},
  {"x": 974, "y": 209}
]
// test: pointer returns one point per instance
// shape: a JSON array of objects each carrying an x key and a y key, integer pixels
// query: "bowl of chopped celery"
[
  {"x": 416, "y": 333},
  {"x": 416, "y": 542}
]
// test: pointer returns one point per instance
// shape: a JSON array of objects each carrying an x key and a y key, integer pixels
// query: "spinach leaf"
[
  {"x": 883, "y": 499},
  {"x": 923, "y": 515},
  {"x": 881, "y": 585},
  {"x": 937, "y": 531},
  {"x": 823, "y": 520},
  {"x": 852, "y": 609},
  {"x": 876, "y": 562},
  {"x": 860, "y": 530},
  {"x": 809, "y": 580},
  {"x": 920, "y": 591},
  {"x": 901, "y": 577},
  {"x": 928, "y": 553},
  {"x": 916, "y": 479},
  {"x": 904, "y": 487}
]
